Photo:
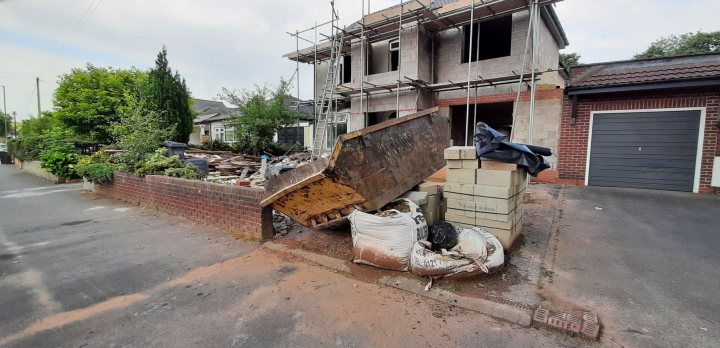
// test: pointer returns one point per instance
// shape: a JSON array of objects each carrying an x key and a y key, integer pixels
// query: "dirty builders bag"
[
  {"x": 477, "y": 252},
  {"x": 386, "y": 240}
]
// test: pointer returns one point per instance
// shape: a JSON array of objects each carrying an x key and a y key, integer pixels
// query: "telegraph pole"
[
  {"x": 37, "y": 87},
  {"x": 15, "y": 124},
  {"x": 5, "y": 115}
]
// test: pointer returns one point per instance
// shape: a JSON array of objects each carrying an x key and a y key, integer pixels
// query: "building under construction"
[{"x": 490, "y": 61}]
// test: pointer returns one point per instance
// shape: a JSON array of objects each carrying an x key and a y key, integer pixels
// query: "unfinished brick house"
[{"x": 422, "y": 54}]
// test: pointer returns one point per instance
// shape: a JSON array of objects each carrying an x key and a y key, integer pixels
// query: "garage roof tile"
[{"x": 656, "y": 70}]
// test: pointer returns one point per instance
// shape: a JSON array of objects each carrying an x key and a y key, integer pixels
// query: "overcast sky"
[{"x": 238, "y": 43}]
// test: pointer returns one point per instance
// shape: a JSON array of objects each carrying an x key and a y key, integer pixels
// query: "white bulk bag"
[
  {"x": 477, "y": 252},
  {"x": 386, "y": 241}
]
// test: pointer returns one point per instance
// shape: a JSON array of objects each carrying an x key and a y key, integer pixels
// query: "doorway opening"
[{"x": 496, "y": 115}]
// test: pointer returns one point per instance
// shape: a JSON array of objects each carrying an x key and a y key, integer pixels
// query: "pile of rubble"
[
  {"x": 226, "y": 163},
  {"x": 230, "y": 168}
]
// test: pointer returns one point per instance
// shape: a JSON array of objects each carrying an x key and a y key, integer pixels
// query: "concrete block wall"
[
  {"x": 380, "y": 59},
  {"x": 448, "y": 54},
  {"x": 425, "y": 50},
  {"x": 387, "y": 102},
  {"x": 233, "y": 208},
  {"x": 546, "y": 123}
]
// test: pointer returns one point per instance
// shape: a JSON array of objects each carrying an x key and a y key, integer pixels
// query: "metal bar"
[
  {"x": 299, "y": 37},
  {"x": 467, "y": 101},
  {"x": 362, "y": 62},
  {"x": 315, "y": 26},
  {"x": 477, "y": 74},
  {"x": 297, "y": 69},
  {"x": 533, "y": 83},
  {"x": 522, "y": 71},
  {"x": 397, "y": 99},
  {"x": 315, "y": 61}
]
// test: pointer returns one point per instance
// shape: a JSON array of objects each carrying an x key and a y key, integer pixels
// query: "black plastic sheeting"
[
  {"x": 442, "y": 235},
  {"x": 491, "y": 144}
]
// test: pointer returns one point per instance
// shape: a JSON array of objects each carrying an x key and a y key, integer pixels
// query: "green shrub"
[
  {"x": 189, "y": 171},
  {"x": 60, "y": 161},
  {"x": 139, "y": 132},
  {"x": 97, "y": 173},
  {"x": 31, "y": 147},
  {"x": 159, "y": 164},
  {"x": 215, "y": 145},
  {"x": 97, "y": 168}
]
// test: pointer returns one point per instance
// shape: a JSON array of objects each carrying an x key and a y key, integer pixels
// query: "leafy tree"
[
  {"x": 87, "y": 100},
  {"x": 140, "y": 131},
  {"x": 167, "y": 94},
  {"x": 39, "y": 126},
  {"x": 262, "y": 112},
  {"x": 684, "y": 44},
  {"x": 570, "y": 60}
]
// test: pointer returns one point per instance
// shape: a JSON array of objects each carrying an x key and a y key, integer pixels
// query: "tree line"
[{"x": 669, "y": 46}]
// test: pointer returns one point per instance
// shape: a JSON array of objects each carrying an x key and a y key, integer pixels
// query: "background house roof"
[
  {"x": 645, "y": 71},
  {"x": 203, "y": 106},
  {"x": 210, "y": 111}
]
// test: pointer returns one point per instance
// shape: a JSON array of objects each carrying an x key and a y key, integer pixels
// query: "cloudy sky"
[{"x": 238, "y": 43}]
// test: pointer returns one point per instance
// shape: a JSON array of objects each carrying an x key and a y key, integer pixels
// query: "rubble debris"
[
  {"x": 420, "y": 198},
  {"x": 238, "y": 169},
  {"x": 400, "y": 205}
]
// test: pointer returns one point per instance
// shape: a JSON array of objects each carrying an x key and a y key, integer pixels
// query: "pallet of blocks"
[{"x": 484, "y": 193}]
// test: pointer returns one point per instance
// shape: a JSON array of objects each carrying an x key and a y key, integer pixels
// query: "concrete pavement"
[
  {"x": 76, "y": 271},
  {"x": 646, "y": 261}
]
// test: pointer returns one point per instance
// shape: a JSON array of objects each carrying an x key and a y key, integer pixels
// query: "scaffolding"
[{"x": 434, "y": 17}]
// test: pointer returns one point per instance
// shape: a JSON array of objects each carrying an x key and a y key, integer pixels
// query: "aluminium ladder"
[{"x": 325, "y": 103}]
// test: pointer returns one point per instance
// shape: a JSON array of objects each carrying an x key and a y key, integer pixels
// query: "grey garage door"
[{"x": 652, "y": 150}]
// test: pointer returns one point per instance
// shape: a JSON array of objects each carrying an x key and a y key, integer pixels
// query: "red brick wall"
[
  {"x": 233, "y": 208},
  {"x": 541, "y": 94},
  {"x": 573, "y": 139}
]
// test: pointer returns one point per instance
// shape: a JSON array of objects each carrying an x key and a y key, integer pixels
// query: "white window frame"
[
  {"x": 390, "y": 52},
  {"x": 215, "y": 132},
  {"x": 701, "y": 138}
]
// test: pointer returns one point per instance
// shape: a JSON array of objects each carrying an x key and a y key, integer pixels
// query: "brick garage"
[
  {"x": 233, "y": 208},
  {"x": 645, "y": 87}
]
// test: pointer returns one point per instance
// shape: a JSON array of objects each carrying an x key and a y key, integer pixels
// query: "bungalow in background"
[
  {"x": 303, "y": 132},
  {"x": 211, "y": 122}
]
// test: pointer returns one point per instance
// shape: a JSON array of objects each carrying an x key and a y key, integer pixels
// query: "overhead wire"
[{"x": 93, "y": 5}]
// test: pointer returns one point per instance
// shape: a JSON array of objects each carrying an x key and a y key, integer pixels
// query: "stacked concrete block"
[
  {"x": 432, "y": 210},
  {"x": 489, "y": 196}
]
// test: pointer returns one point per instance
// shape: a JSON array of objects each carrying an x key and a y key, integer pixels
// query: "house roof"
[
  {"x": 210, "y": 111},
  {"x": 645, "y": 71},
  {"x": 304, "y": 106}
]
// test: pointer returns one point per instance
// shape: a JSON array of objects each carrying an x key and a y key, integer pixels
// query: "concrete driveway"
[{"x": 647, "y": 261}]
